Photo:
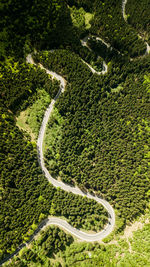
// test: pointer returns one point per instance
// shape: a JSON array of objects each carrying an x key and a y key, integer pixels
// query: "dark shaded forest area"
[
  {"x": 138, "y": 16},
  {"x": 27, "y": 197},
  {"x": 104, "y": 143},
  {"x": 105, "y": 139},
  {"x": 108, "y": 23}
]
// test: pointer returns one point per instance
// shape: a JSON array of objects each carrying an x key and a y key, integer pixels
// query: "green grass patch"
[
  {"x": 22, "y": 124},
  {"x": 30, "y": 120}
]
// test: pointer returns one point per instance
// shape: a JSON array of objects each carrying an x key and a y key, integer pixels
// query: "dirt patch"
[
  {"x": 128, "y": 232},
  {"x": 147, "y": 221}
]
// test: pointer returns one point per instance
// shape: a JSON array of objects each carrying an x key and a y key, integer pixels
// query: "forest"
[
  {"x": 136, "y": 10},
  {"x": 62, "y": 251},
  {"x": 26, "y": 196},
  {"x": 34, "y": 24},
  {"x": 114, "y": 30},
  {"x": 106, "y": 150},
  {"x": 108, "y": 23},
  {"x": 97, "y": 137}
]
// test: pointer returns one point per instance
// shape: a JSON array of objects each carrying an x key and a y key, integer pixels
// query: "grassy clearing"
[
  {"x": 30, "y": 120},
  {"x": 22, "y": 124}
]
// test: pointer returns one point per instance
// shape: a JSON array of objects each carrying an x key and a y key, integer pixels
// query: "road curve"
[
  {"x": 124, "y": 2},
  {"x": 105, "y": 67},
  {"x": 84, "y": 42},
  {"x": 75, "y": 190},
  {"x": 124, "y": 10}
]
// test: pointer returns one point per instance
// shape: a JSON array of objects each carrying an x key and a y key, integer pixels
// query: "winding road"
[
  {"x": 75, "y": 190},
  {"x": 124, "y": 2},
  {"x": 105, "y": 67}
]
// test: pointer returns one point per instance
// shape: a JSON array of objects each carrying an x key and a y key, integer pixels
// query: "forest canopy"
[{"x": 98, "y": 135}]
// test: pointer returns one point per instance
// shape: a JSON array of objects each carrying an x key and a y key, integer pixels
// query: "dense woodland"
[
  {"x": 61, "y": 251},
  {"x": 26, "y": 196},
  {"x": 104, "y": 141},
  {"x": 35, "y": 24},
  {"x": 38, "y": 24},
  {"x": 15, "y": 75},
  {"x": 102, "y": 121},
  {"x": 109, "y": 24},
  {"x": 138, "y": 16},
  {"x": 50, "y": 241}
]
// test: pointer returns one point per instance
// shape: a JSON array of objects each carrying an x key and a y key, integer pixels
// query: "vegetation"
[
  {"x": 20, "y": 83},
  {"x": 26, "y": 196},
  {"x": 105, "y": 150},
  {"x": 52, "y": 139},
  {"x": 80, "y": 18},
  {"x": 86, "y": 4},
  {"x": 32, "y": 117},
  {"x": 108, "y": 22},
  {"x": 50, "y": 241},
  {"x": 138, "y": 16},
  {"x": 33, "y": 24},
  {"x": 22, "y": 184},
  {"x": 106, "y": 51},
  {"x": 132, "y": 251},
  {"x": 129, "y": 248},
  {"x": 97, "y": 137},
  {"x": 30, "y": 120}
]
